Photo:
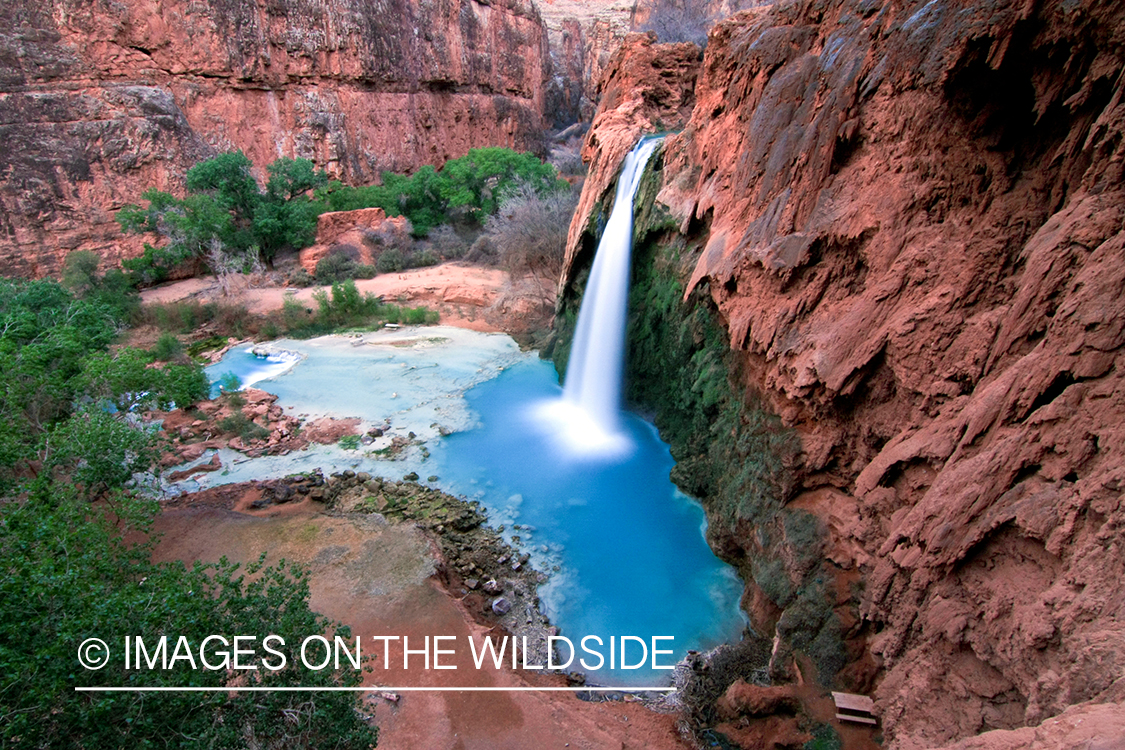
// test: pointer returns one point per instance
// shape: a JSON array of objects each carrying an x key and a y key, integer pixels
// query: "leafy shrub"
[
  {"x": 338, "y": 265},
  {"x": 70, "y": 574},
  {"x": 390, "y": 261},
  {"x": 825, "y": 737},
  {"x": 229, "y": 382},
  {"x": 211, "y": 343},
  {"x": 301, "y": 278},
  {"x": 167, "y": 348},
  {"x": 294, "y": 315},
  {"x": 226, "y": 214},
  {"x": 113, "y": 289},
  {"x": 241, "y": 425}
]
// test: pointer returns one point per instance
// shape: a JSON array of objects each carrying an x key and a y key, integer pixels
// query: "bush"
[
  {"x": 390, "y": 261},
  {"x": 446, "y": 243},
  {"x": 294, "y": 315},
  {"x": 229, "y": 382},
  {"x": 825, "y": 737},
  {"x": 80, "y": 271},
  {"x": 112, "y": 289},
  {"x": 529, "y": 231},
  {"x": 167, "y": 348},
  {"x": 241, "y": 425},
  {"x": 70, "y": 574},
  {"x": 301, "y": 278},
  {"x": 338, "y": 265},
  {"x": 226, "y": 214}
]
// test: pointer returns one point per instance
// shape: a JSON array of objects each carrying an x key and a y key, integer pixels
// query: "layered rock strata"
[
  {"x": 910, "y": 219},
  {"x": 99, "y": 101}
]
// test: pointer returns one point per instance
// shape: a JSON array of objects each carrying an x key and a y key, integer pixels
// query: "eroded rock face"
[
  {"x": 99, "y": 101},
  {"x": 911, "y": 221},
  {"x": 648, "y": 87},
  {"x": 583, "y": 35}
]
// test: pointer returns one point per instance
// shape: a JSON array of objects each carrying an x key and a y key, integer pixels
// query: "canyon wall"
[
  {"x": 582, "y": 36},
  {"x": 909, "y": 219},
  {"x": 100, "y": 100}
]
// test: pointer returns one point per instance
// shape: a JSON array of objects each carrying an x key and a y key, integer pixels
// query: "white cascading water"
[{"x": 589, "y": 414}]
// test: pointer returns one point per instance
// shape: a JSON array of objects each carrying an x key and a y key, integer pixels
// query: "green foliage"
[
  {"x": 69, "y": 575},
  {"x": 771, "y": 577},
  {"x": 241, "y": 425},
  {"x": 225, "y": 211},
  {"x": 229, "y": 382},
  {"x": 480, "y": 180},
  {"x": 471, "y": 188},
  {"x": 811, "y": 626},
  {"x": 45, "y": 336},
  {"x": 390, "y": 261},
  {"x": 54, "y": 355},
  {"x": 286, "y": 216},
  {"x": 80, "y": 271},
  {"x": 127, "y": 380},
  {"x": 825, "y": 737},
  {"x": 335, "y": 267},
  {"x": 211, "y": 343},
  {"x": 229, "y": 180},
  {"x": 349, "y": 442},
  {"x": 167, "y": 348},
  {"x": 99, "y": 452}
]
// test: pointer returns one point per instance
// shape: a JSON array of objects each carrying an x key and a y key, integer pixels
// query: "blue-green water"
[
  {"x": 623, "y": 548},
  {"x": 629, "y": 546}
]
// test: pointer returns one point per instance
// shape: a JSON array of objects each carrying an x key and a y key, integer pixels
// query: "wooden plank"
[
  {"x": 853, "y": 702},
  {"x": 859, "y": 719}
]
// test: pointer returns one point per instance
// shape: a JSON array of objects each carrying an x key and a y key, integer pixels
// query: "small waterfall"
[{"x": 590, "y": 410}]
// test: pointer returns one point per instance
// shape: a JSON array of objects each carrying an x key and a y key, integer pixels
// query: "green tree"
[
  {"x": 480, "y": 180},
  {"x": 69, "y": 575},
  {"x": 471, "y": 187},
  {"x": 286, "y": 216},
  {"x": 226, "y": 215},
  {"x": 230, "y": 180},
  {"x": 54, "y": 355},
  {"x": 99, "y": 452}
]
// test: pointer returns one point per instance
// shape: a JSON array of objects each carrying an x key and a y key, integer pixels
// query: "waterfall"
[{"x": 591, "y": 404}]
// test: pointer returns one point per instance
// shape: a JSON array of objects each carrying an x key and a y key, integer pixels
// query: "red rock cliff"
[
  {"x": 911, "y": 218},
  {"x": 100, "y": 100}
]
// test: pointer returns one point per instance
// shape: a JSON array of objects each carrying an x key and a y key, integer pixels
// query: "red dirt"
[{"x": 376, "y": 579}]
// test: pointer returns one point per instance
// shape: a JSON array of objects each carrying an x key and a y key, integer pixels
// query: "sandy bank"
[{"x": 475, "y": 297}]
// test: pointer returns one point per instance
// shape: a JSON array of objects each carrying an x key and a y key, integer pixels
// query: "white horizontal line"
[{"x": 376, "y": 688}]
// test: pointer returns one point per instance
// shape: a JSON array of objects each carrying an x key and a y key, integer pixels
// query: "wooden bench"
[{"x": 852, "y": 707}]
